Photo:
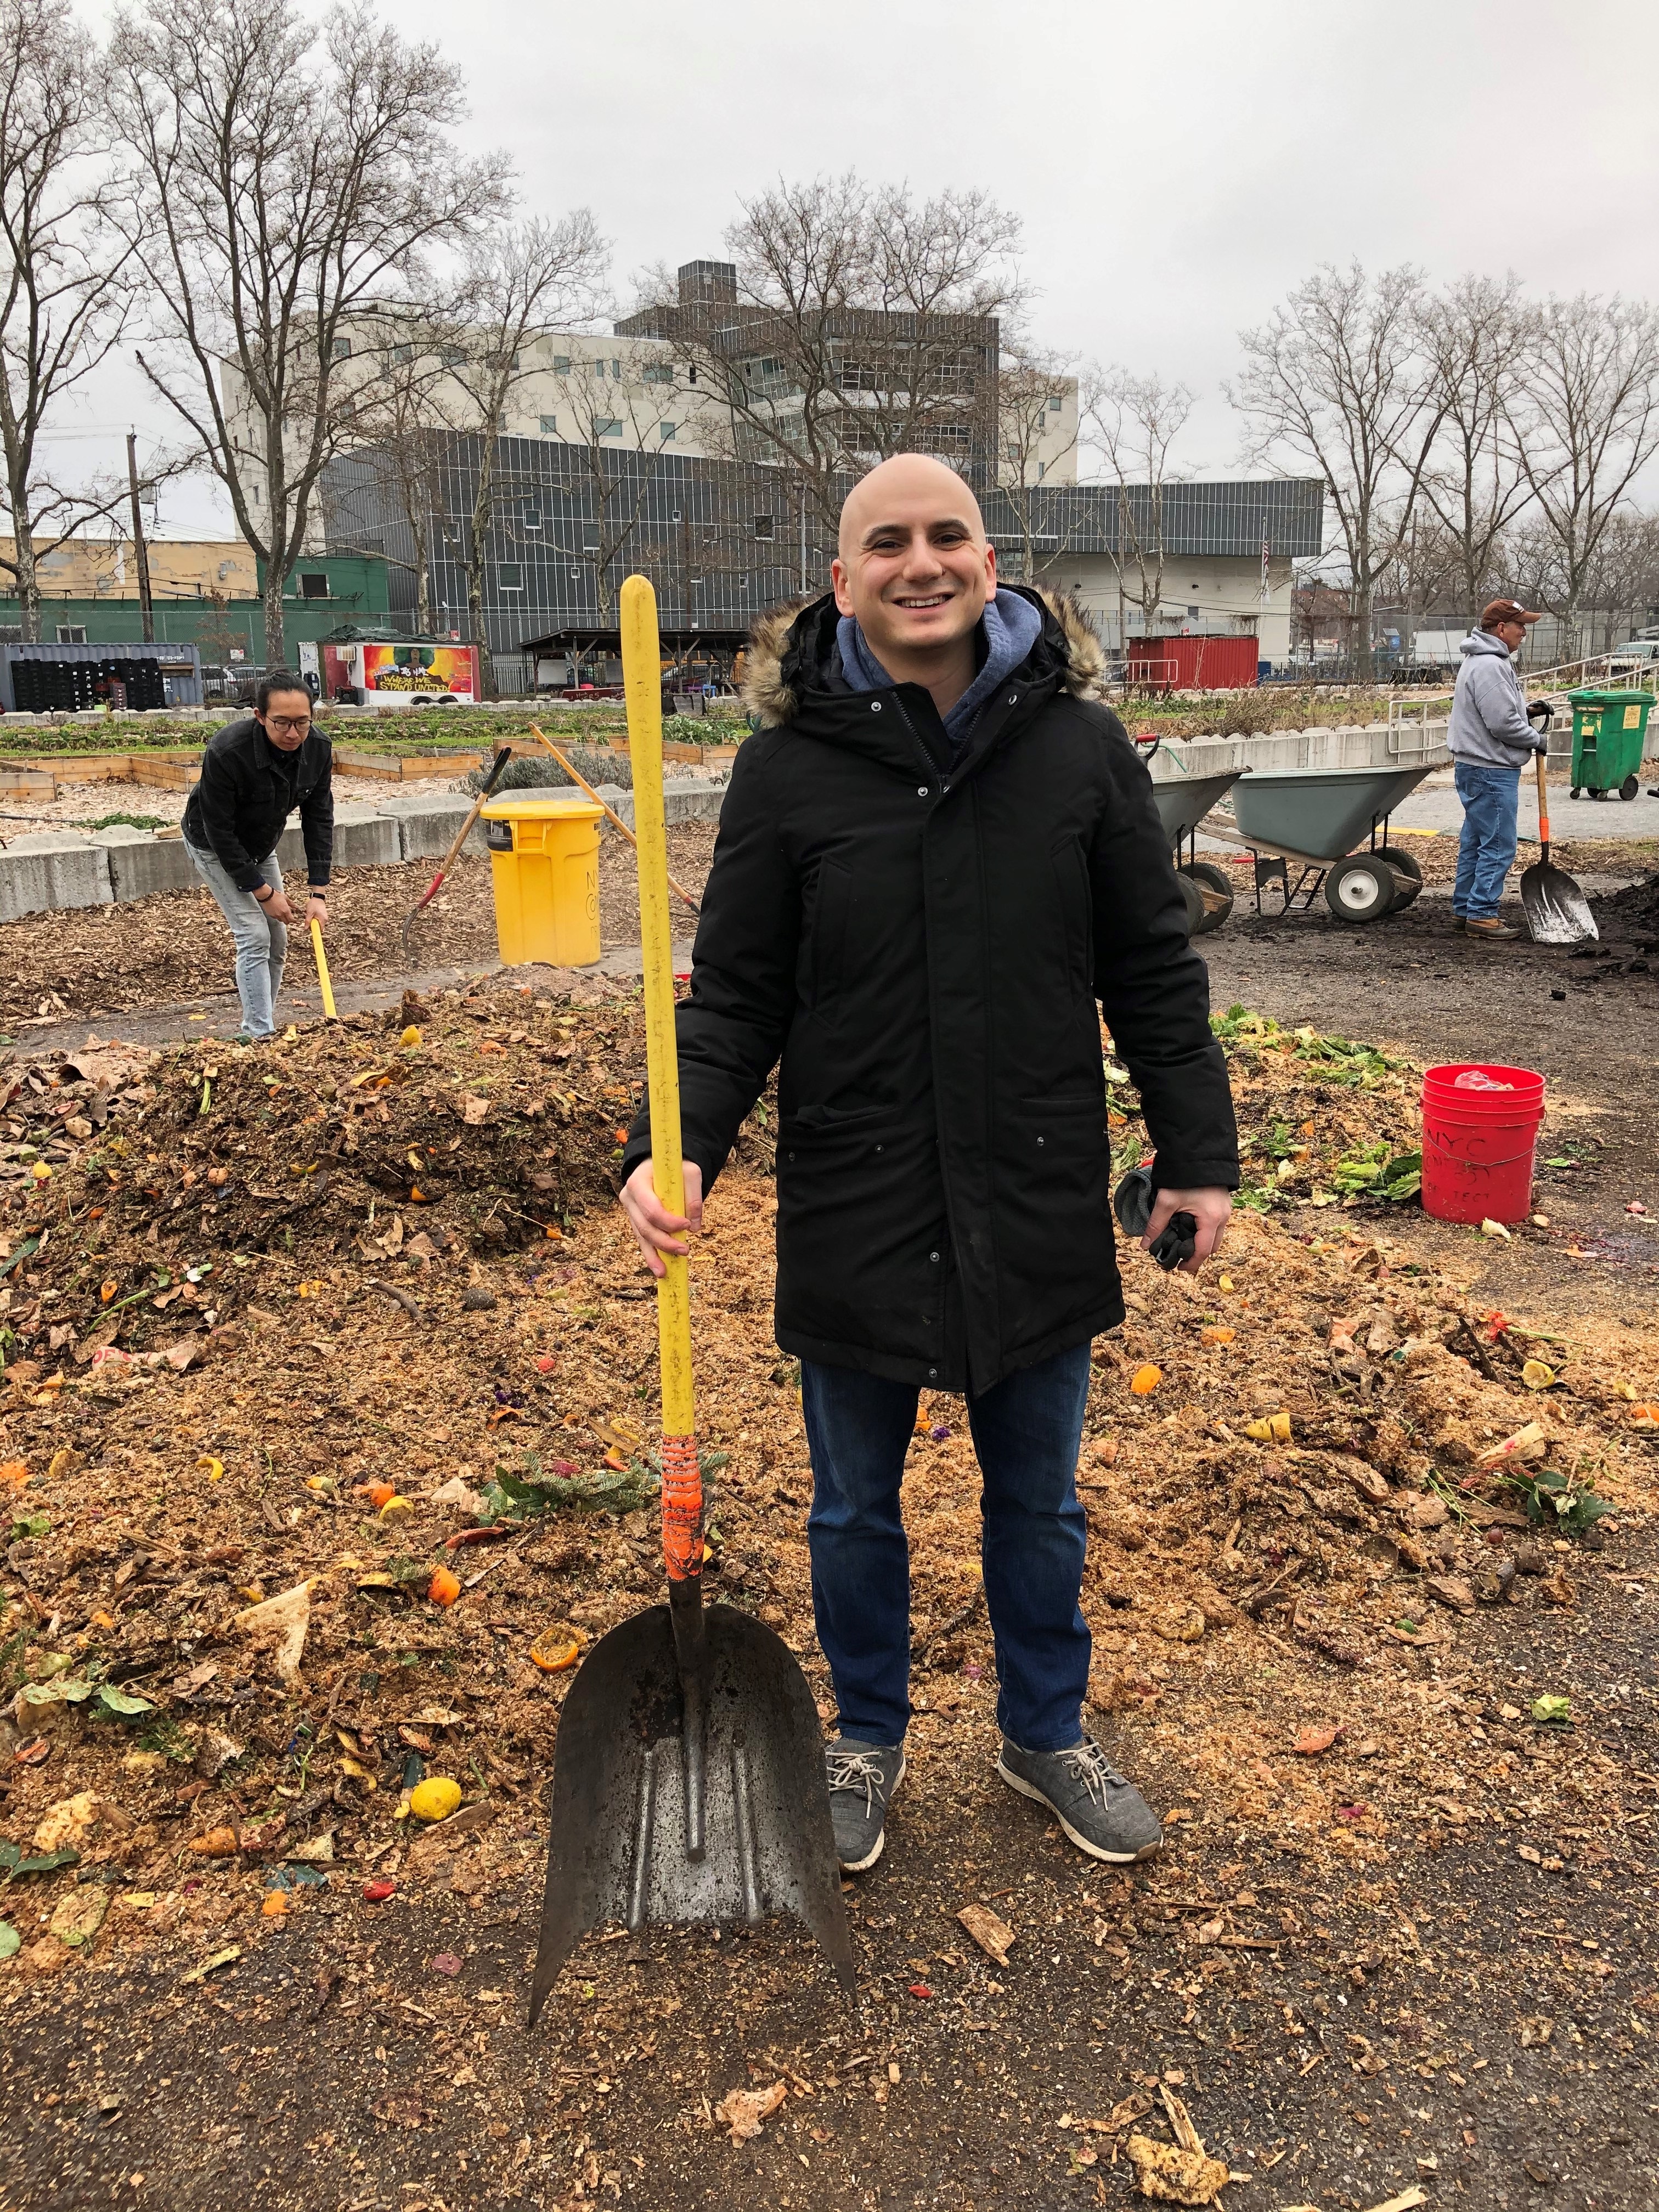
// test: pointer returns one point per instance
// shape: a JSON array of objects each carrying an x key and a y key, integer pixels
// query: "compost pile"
[
  {"x": 479, "y": 1122},
  {"x": 325, "y": 1501}
]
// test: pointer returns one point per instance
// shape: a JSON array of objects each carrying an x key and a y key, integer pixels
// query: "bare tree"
[
  {"x": 280, "y": 175},
  {"x": 1622, "y": 585},
  {"x": 1473, "y": 333},
  {"x": 1132, "y": 422},
  {"x": 1425, "y": 563},
  {"x": 1032, "y": 391},
  {"x": 1339, "y": 376},
  {"x": 63, "y": 293},
  {"x": 1586, "y": 423},
  {"x": 601, "y": 403},
  {"x": 530, "y": 279},
  {"x": 863, "y": 322},
  {"x": 393, "y": 419}
]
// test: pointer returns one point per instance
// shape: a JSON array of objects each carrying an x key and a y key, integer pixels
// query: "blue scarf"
[{"x": 1010, "y": 626}]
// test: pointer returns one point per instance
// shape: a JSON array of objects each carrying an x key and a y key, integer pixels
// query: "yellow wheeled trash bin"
[{"x": 545, "y": 861}]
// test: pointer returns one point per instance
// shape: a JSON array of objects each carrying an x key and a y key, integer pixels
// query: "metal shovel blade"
[
  {"x": 1556, "y": 911},
  {"x": 622, "y": 1832}
]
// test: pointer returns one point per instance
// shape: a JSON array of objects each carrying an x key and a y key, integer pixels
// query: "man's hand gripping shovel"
[{"x": 688, "y": 1778}]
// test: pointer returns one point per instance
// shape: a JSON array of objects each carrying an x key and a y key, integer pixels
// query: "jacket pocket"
[
  {"x": 1071, "y": 873},
  {"x": 827, "y": 934}
]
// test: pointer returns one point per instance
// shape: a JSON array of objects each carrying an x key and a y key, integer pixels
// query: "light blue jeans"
[
  {"x": 1486, "y": 848},
  {"x": 261, "y": 940}
]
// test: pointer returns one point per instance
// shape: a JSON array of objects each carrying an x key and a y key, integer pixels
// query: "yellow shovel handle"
[
  {"x": 642, "y": 686},
  {"x": 322, "y": 968}
]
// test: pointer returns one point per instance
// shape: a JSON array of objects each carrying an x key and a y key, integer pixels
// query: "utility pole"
[{"x": 146, "y": 606}]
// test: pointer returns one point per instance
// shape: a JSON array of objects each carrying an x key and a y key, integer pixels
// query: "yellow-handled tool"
[
  {"x": 688, "y": 1776},
  {"x": 642, "y": 688},
  {"x": 322, "y": 967}
]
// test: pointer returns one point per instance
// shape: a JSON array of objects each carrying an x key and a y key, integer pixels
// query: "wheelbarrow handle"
[{"x": 682, "y": 1477}]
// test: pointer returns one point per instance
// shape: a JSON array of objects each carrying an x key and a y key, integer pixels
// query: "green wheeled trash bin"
[{"x": 1609, "y": 729}]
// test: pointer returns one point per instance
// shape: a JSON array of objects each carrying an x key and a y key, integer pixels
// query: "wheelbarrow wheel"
[
  {"x": 1215, "y": 891},
  {"x": 1408, "y": 875},
  {"x": 1629, "y": 787},
  {"x": 1194, "y": 898},
  {"x": 1360, "y": 888}
]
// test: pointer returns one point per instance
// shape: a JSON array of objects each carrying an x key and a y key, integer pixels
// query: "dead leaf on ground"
[
  {"x": 992, "y": 1935},
  {"x": 1175, "y": 2176},
  {"x": 281, "y": 1620},
  {"x": 1316, "y": 1736},
  {"x": 743, "y": 2110}
]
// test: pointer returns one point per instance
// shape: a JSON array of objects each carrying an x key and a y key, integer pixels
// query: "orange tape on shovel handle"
[{"x": 682, "y": 1508}]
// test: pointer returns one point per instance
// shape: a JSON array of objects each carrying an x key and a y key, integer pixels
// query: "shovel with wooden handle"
[
  {"x": 1556, "y": 910},
  {"x": 688, "y": 1773},
  {"x": 576, "y": 776},
  {"x": 503, "y": 755}
]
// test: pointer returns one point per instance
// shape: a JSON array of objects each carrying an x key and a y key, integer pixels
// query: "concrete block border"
[{"x": 50, "y": 871}]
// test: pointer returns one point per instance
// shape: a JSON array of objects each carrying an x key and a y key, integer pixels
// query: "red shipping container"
[{"x": 1193, "y": 664}]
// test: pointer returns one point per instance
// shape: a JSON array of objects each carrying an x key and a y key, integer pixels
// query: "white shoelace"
[
  {"x": 853, "y": 1770},
  {"x": 1092, "y": 1768}
]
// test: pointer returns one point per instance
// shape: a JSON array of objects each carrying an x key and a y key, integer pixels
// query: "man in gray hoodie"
[{"x": 1491, "y": 740}]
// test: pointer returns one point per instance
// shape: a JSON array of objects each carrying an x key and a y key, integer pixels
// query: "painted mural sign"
[{"x": 362, "y": 673}]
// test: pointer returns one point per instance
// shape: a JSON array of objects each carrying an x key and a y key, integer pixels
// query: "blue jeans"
[
  {"x": 1486, "y": 848},
  {"x": 1026, "y": 1431},
  {"x": 261, "y": 940}
]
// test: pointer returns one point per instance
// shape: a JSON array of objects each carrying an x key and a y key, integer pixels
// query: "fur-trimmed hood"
[{"x": 788, "y": 646}]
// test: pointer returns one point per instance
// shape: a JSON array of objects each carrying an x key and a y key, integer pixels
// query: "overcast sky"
[{"x": 1177, "y": 169}]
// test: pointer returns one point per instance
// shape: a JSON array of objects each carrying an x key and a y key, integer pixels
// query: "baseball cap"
[{"x": 1505, "y": 611}]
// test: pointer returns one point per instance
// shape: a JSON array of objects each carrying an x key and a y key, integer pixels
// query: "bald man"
[{"x": 938, "y": 860}]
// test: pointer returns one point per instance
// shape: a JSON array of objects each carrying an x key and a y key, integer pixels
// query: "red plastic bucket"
[{"x": 1477, "y": 1144}]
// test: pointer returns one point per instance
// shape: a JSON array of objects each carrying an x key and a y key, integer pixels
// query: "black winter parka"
[{"x": 922, "y": 944}]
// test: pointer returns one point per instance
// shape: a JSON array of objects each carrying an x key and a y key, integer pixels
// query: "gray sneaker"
[
  {"x": 862, "y": 1778},
  {"x": 1100, "y": 1809}
]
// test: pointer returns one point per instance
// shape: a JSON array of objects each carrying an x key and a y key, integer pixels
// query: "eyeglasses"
[{"x": 300, "y": 725}]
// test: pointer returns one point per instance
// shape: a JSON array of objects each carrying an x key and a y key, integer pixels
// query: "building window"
[
  {"x": 340, "y": 350},
  {"x": 1054, "y": 403},
  {"x": 666, "y": 431},
  {"x": 313, "y": 584},
  {"x": 615, "y": 370},
  {"x": 550, "y": 426},
  {"x": 561, "y": 364},
  {"x": 402, "y": 356},
  {"x": 531, "y": 518},
  {"x": 509, "y": 576},
  {"x": 71, "y": 633},
  {"x": 609, "y": 427},
  {"x": 765, "y": 526},
  {"x": 454, "y": 356},
  {"x": 658, "y": 373}
]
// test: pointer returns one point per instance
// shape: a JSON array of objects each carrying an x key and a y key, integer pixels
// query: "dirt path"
[{"x": 101, "y": 962}]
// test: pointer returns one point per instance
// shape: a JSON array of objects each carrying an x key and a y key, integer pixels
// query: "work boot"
[
  {"x": 1100, "y": 1809},
  {"x": 1460, "y": 922},
  {"x": 1489, "y": 929},
  {"x": 862, "y": 1778}
]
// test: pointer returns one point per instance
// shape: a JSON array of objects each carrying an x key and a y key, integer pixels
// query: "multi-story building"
[{"x": 723, "y": 539}]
